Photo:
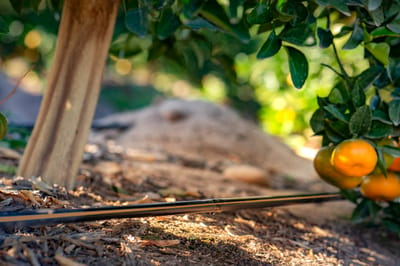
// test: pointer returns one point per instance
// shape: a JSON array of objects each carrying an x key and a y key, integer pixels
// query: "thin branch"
[
  {"x": 14, "y": 89},
  {"x": 344, "y": 73},
  {"x": 334, "y": 70}
]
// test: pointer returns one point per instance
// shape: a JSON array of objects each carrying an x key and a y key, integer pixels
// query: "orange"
[
  {"x": 354, "y": 157},
  {"x": 328, "y": 173},
  {"x": 387, "y": 158},
  {"x": 379, "y": 187},
  {"x": 395, "y": 166}
]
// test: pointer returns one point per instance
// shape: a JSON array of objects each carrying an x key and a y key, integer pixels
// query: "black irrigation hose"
[
  {"x": 58, "y": 216},
  {"x": 97, "y": 125}
]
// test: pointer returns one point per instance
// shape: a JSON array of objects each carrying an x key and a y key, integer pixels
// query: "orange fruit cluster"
[
  {"x": 328, "y": 173},
  {"x": 353, "y": 163}
]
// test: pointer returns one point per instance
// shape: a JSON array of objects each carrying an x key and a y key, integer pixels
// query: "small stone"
[{"x": 246, "y": 173}]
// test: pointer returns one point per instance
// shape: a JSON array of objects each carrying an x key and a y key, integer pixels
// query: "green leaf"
[
  {"x": 190, "y": 59},
  {"x": 344, "y": 31},
  {"x": 368, "y": 77},
  {"x": 168, "y": 24},
  {"x": 136, "y": 21},
  {"x": 325, "y": 38},
  {"x": 394, "y": 151},
  {"x": 317, "y": 121},
  {"x": 302, "y": 34},
  {"x": 381, "y": 163},
  {"x": 215, "y": 14},
  {"x": 358, "y": 96},
  {"x": 34, "y": 4},
  {"x": 360, "y": 121},
  {"x": 270, "y": 47},
  {"x": 125, "y": 46},
  {"x": 374, "y": 4},
  {"x": 335, "y": 112},
  {"x": 378, "y": 16},
  {"x": 335, "y": 96},
  {"x": 350, "y": 195},
  {"x": 200, "y": 23},
  {"x": 383, "y": 32},
  {"x": 394, "y": 112},
  {"x": 19, "y": 5},
  {"x": 379, "y": 130},
  {"x": 295, "y": 11},
  {"x": 356, "y": 37},
  {"x": 3, "y": 26},
  {"x": 202, "y": 50},
  {"x": 3, "y": 126},
  {"x": 380, "y": 51},
  {"x": 381, "y": 117},
  {"x": 233, "y": 7},
  {"x": 298, "y": 66},
  {"x": 322, "y": 101},
  {"x": 191, "y": 8},
  {"x": 361, "y": 212},
  {"x": 260, "y": 14},
  {"x": 340, "y": 5},
  {"x": 394, "y": 26},
  {"x": 332, "y": 134},
  {"x": 341, "y": 128}
]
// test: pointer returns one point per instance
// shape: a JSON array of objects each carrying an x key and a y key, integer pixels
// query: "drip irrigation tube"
[{"x": 58, "y": 216}]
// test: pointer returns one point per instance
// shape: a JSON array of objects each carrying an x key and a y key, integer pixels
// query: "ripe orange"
[
  {"x": 328, "y": 173},
  {"x": 354, "y": 157},
  {"x": 395, "y": 166},
  {"x": 379, "y": 187}
]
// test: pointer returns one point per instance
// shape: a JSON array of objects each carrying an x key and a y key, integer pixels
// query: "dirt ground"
[
  {"x": 308, "y": 234},
  {"x": 313, "y": 234}
]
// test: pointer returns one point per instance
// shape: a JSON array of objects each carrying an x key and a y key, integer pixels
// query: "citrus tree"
[{"x": 360, "y": 118}]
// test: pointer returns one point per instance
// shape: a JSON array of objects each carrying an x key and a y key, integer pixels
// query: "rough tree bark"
[{"x": 56, "y": 146}]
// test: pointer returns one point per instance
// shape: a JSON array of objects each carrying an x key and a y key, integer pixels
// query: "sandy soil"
[{"x": 160, "y": 161}]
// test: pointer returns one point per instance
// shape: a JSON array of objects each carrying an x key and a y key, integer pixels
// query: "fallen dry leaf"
[{"x": 29, "y": 195}]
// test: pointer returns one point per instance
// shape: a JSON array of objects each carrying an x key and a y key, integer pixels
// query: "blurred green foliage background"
[{"x": 264, "y": 88}]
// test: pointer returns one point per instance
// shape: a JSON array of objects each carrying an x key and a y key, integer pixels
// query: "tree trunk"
[{"x": 56, "y": 146}]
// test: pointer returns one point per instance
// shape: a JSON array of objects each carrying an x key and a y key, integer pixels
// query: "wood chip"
[
  {"x": 78, "y": 242},
  {"x": 6, "y": 202},
  {"x": 38, "y": 183},
  {"x": 64, "y": 261},
  {"x": 69, "y": 248},
  {"x": 160, "y": 243},
  {"x": 31, "y": 256}
]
